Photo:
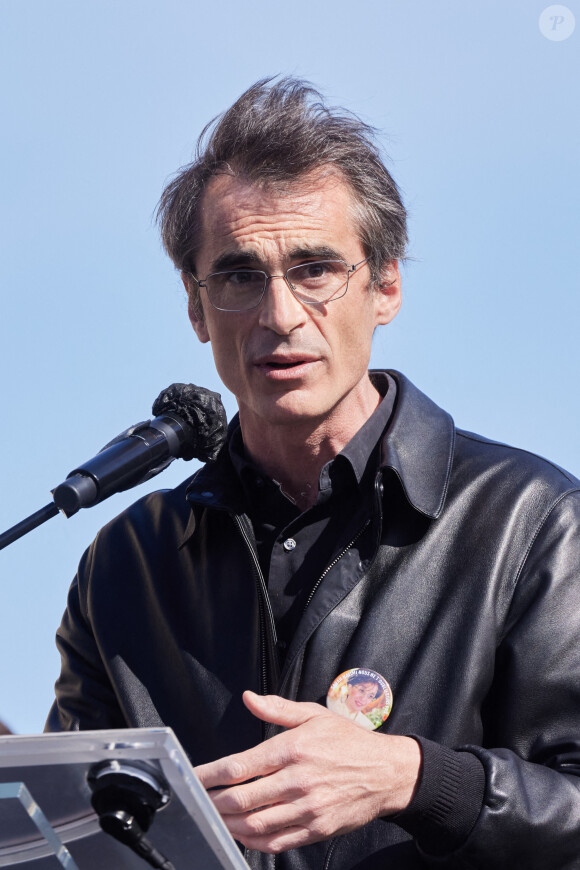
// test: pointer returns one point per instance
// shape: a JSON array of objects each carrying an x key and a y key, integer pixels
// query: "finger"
[
  {"x": 232, "y": 769},
  {"x": 261, "y": 760},
  {"x": 267, "y": 822},
  {"x": 278, "y": 788},
  {"x": 267, "y": 757},
  {"x": 280, "y": 711},
  {"x": 281, "y": 841}
]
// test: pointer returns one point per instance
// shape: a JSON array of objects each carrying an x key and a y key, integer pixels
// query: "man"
[{"x": 345, "y": 525}]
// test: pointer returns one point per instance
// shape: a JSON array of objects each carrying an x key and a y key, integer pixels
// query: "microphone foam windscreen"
[{"x": 203, "y": 411}]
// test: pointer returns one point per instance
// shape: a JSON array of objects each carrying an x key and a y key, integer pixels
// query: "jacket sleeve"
[
  {"x": 530, "y": 816},
  {"x": 85, "y": 698}
]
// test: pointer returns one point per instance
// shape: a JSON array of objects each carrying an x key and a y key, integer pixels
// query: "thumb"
[{"x": 281, "y": 711}]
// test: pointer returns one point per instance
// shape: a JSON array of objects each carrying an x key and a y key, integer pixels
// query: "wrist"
[
  {"x": 400, "y": 774},
  {"x": 448, "y": 798}
]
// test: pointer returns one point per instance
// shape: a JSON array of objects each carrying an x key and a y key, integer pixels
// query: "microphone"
[{"x": 190, "y": 423}]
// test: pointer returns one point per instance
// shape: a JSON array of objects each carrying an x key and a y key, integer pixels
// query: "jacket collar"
[{"x": 418, "y": 446}]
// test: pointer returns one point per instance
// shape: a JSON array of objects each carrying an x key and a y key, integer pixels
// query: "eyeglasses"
[{"x": 314, "y": 283}]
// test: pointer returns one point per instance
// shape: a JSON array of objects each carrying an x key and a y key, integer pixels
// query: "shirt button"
[{"x": 289, "y": 544}]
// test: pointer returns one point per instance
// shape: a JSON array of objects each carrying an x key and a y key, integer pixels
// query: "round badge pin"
[{"x": 361, "y": 695}]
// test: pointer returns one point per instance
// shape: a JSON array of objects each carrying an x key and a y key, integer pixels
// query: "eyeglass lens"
[{"x": 242, "y": 289}]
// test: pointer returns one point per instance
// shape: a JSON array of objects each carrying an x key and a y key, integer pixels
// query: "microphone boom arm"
[{"x": 190, "y": 423}]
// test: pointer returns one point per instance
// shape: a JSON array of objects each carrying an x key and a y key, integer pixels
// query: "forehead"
[{"x": 241, "y": 216}]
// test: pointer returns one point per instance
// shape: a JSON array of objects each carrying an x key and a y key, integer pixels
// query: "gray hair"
[{"x": 274, "y": 135}]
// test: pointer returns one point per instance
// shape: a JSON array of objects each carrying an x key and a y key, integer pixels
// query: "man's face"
[{"x": 287, "y": 362}]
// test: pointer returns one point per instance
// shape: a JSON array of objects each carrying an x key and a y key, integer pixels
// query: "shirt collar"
[
  {"x": 352, "y": 460},
  {"x": 360, "y": 446},
  {"x": 418, "y": 445}
]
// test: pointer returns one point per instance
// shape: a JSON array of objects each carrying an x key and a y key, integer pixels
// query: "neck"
[
  {"x": 294, "y": 454},
  {"x": 295, "y": 465}
]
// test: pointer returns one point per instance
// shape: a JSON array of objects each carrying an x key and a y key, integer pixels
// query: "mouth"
[{"x": 285, "y": 366}]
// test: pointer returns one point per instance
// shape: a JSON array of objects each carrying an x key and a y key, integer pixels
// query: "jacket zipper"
[
  {"x": 329, "y": 854},
  {"x": 264, "y": 607},
  {"x": 333, "y": 563},
  {"x": 378, "y": 496}
]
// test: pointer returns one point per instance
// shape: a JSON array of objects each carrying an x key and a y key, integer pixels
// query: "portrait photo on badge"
[{"x": 361, "y": 695}]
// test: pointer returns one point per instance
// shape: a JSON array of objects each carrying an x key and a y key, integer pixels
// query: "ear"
[
  {"x": 194, "y": 309},
  {"x": 388, "y": 293}
]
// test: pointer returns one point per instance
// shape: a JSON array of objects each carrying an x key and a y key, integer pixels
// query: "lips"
[
  {"x": 284, "y": 361},
  {"x": 283, "y": 366}
]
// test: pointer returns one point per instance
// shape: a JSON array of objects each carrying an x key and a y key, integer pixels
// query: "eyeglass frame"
[{"x": 349, "y": 271}]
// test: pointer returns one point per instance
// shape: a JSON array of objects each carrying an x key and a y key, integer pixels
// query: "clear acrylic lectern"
[{"x": 47, "y": 821}]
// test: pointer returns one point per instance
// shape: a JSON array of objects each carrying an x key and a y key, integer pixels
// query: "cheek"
[
  {"x": 220, "y": 334},
  {"x": 228, "y": 358},
  {"x": 356, "y": 330},
  {"x": 223, "y": 353},
  {"x": 352, "y": 345}
]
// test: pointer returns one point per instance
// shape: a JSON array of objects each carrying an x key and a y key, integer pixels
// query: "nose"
[{"x": 280, "y": 310}]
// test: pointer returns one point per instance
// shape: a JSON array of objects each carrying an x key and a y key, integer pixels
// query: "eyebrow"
[
  {"x": 241, "y": 259},
  {"x": 233, "y": 260},
  {"x": 321, "y": 252}
]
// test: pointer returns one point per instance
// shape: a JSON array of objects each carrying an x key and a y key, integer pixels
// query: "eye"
[
  {"x": 314, "y": 270},
  {"x": 311, "y": 271},
  {"x": 244, "y": 277},
  {"x": 317, "y": 273}
]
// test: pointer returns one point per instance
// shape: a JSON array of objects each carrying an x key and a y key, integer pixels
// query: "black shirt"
[{"x": 295, "y": 548}]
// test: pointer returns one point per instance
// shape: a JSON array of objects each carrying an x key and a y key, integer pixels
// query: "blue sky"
[{"x": 102, "y": 102}]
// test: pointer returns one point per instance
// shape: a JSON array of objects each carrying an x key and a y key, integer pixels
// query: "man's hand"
[{"x": 323, "y": 776}]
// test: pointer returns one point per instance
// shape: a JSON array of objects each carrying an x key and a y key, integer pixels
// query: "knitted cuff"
[{"x": 448, "y": 798}]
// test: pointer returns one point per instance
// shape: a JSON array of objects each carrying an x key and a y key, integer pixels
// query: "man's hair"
[{"x": 276, "y": 133}]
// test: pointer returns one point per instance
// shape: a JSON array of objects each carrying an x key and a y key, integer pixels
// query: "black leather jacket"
[{"x": 461, "y": 588}]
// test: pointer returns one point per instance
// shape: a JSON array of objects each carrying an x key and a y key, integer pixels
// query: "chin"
[{"x": 291, "y": 409}]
